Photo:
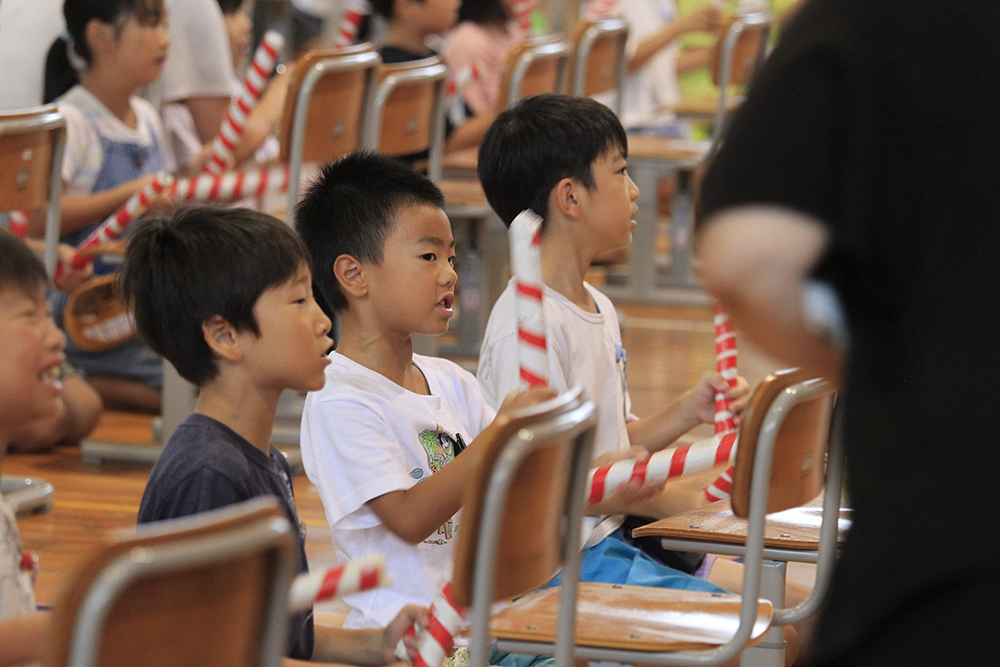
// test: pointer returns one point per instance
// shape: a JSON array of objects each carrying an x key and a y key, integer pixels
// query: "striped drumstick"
[
  {"x": 436, "y": 641},
  {"x": 725, "y": 359},
  {"x": 333, "y": 583},
  {"x": 526, "y": 264},
  {"x": 350, "y": 23},
  {"x": 522, "y": 12},
  {"x": 232, "y": 185},
  {"x": 254, "y": 82},
  {"x": 19, "y": 223}
]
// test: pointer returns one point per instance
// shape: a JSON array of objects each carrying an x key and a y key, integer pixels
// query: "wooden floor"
[{"x": 668, "y": 351}]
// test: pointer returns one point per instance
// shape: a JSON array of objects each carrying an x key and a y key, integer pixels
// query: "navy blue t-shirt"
[{"x": 206, "y": 465}]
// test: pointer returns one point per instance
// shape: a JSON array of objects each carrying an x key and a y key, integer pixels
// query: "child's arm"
[
  {"x": 23, "y": 639},
  {"x": 705, "y": 19},
  {"x": 696, "y": 406},
  {"x": 79, "y": 212},
  {"x": 375, "y": 646},
  {"x": 414, "y": 514}
]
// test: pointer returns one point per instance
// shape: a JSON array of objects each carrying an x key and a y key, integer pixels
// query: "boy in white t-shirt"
[
  {"x": 564, "y": 158},
  {"x": 381, "y": 440}
]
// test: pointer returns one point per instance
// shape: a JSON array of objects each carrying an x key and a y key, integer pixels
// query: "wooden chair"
[
  {"x": 536, "y": 65},
  {"x": 31, "y": 156},
  {"x": 654, "y": 626},
  {"x": 210, "y": 589},
  {"x": 598, "y": 62},
  {"x": 326, "y": 108},
  {"x": 521, "y": 519},
  {"x": 791, "y": 415}
]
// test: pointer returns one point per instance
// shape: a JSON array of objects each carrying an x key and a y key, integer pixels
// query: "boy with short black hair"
[
  {"x": 226, "y": 296},
  {"x": 381, "y": 441},
  {"x": 564, "y": 158},
  {"x": 30, "y": 358}
]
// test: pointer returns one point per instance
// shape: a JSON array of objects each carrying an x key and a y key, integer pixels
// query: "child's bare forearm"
[
  {"x": 657, "y": 431},
  {"x": 81, "y": 211},
  {"x": 354, "y": 647},
  {"x": 23, "y": 639}
]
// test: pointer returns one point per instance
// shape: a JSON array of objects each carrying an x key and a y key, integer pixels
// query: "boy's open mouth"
[
  {"x": 447, "y": 301},
  {"x": 51, "y": 373}
]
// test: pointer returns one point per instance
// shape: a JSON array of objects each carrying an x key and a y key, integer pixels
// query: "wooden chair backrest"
[
  {"x": 750, "y": 42},
  {"x": 597, "y": 62},
  {"x": 225, "y": 607},
  {"x": 530, "y": 544},
  {"x": 28, "y": 140},
  {"x": 535, "y": 66},
  {"x": 407, "y": 107},
  {"x": 800, "y": 440},
  {"x": 338, "y": 82}
]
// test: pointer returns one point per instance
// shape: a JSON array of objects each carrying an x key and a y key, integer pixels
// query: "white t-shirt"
[
  {"x": 364, "y": 436},
  {"x": 27, "y": 30},
  {"x": 584, "y": 349},
  {"x": 655, "y": 85},
  {"x": 87, "y": 120},
  {"x": 199, "y": 63},
  {"x": 17, "y": 597}
]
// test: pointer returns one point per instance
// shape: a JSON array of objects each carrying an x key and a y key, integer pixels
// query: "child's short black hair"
[
  {"x": 540, "y": 141},
  {"x": 180, "y": 272},
  {"x": 19, "y": 267},
  {"x": 350, "y": 210},
  {"x": 384, "y": 8}
]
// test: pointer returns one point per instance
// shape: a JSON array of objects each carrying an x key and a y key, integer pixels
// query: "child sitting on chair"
[
  {"x": 564, "y": 158},
  {"x": 30, "y": 359},
  {"x": 383, "y": 440},
  {"x": 226, "y": 296}
]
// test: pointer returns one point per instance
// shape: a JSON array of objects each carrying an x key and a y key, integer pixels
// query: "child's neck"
[
  {"x": 112, "y": 93},
  {"x": 406, "y": 37},
  {"x": 242, "y": 406},
  {"x": 564, "y": 267},
  {"x": 391, "y": 356}
]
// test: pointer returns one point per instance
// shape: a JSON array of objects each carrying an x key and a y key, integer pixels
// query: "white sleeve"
[
  {"x": 199, "y": 63},
  {"x": 498, "y": 372},
  {"x": 83, "y": 147},
  {"x": 351, "y": 456}
]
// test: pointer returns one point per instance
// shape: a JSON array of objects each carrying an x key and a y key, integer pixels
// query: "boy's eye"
[
  {"x": 430, "y": 257},
  {"x": 451, "y": 261}
]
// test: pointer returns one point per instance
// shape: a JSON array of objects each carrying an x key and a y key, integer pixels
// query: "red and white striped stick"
[
  {"x": 351, "y": 22},
  {"x": 360, "y": 575},
  {"x": 112, "y": 228},
  {"x": 526, "y": 264},
  {"x": 19, "y": 223},
  {"x": 437, "y": 640},
  {"x": 725, "y": 360},
  {"x": 454, "y": 93},
  {"x": 256, "y": 77},
  {"x": 685, "y": 459},
  {"x": 231, "y": 186},
  {"x": 522, "y": 11}
]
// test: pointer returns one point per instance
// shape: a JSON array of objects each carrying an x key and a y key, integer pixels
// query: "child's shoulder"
[{"x": 202, "y": 444}]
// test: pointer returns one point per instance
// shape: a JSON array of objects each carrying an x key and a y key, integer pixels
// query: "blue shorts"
[{"x": 615, "y": 561}]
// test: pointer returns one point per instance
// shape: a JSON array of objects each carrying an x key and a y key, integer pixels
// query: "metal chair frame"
[{"x": 590, "y": 35}]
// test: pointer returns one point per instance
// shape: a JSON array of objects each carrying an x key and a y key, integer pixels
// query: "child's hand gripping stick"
[
  {"x": 231, "y": 186},
  {"x": 436, "y": 641},
  {"x": 256, "y": 77},
  {"x": 333, "y": 583},
  {"x": 526, "y": 264},
  {"x": 112, "y": 228}
]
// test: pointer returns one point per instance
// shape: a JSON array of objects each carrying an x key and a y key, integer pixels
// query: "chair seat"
[
  {"x": 796, "y": 529},
  {"x": 631, "y": 617},
  {"x": 464, "y": 160},
  {"x": 463, "y": 192}
]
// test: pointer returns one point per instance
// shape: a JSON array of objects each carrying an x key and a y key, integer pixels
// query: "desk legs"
[{"x": 770, "y": 651}]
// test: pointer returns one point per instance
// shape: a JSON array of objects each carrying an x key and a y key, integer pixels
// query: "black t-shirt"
[
  {"x": 880, "y": 118},
  {"x": 205, "y": 466}
]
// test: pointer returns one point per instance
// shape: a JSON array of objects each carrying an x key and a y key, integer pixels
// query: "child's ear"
[
  {"x": 221, "y": 338},
  {"x": 100, "y": 35},
  {"x": 350, "y": 274},
  {"x": 565, "y": 198}
]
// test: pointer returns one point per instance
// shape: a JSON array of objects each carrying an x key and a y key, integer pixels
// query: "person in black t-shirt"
[
  {"x": 226, "y": 296},
  {"x": 865, "y": 162}
]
